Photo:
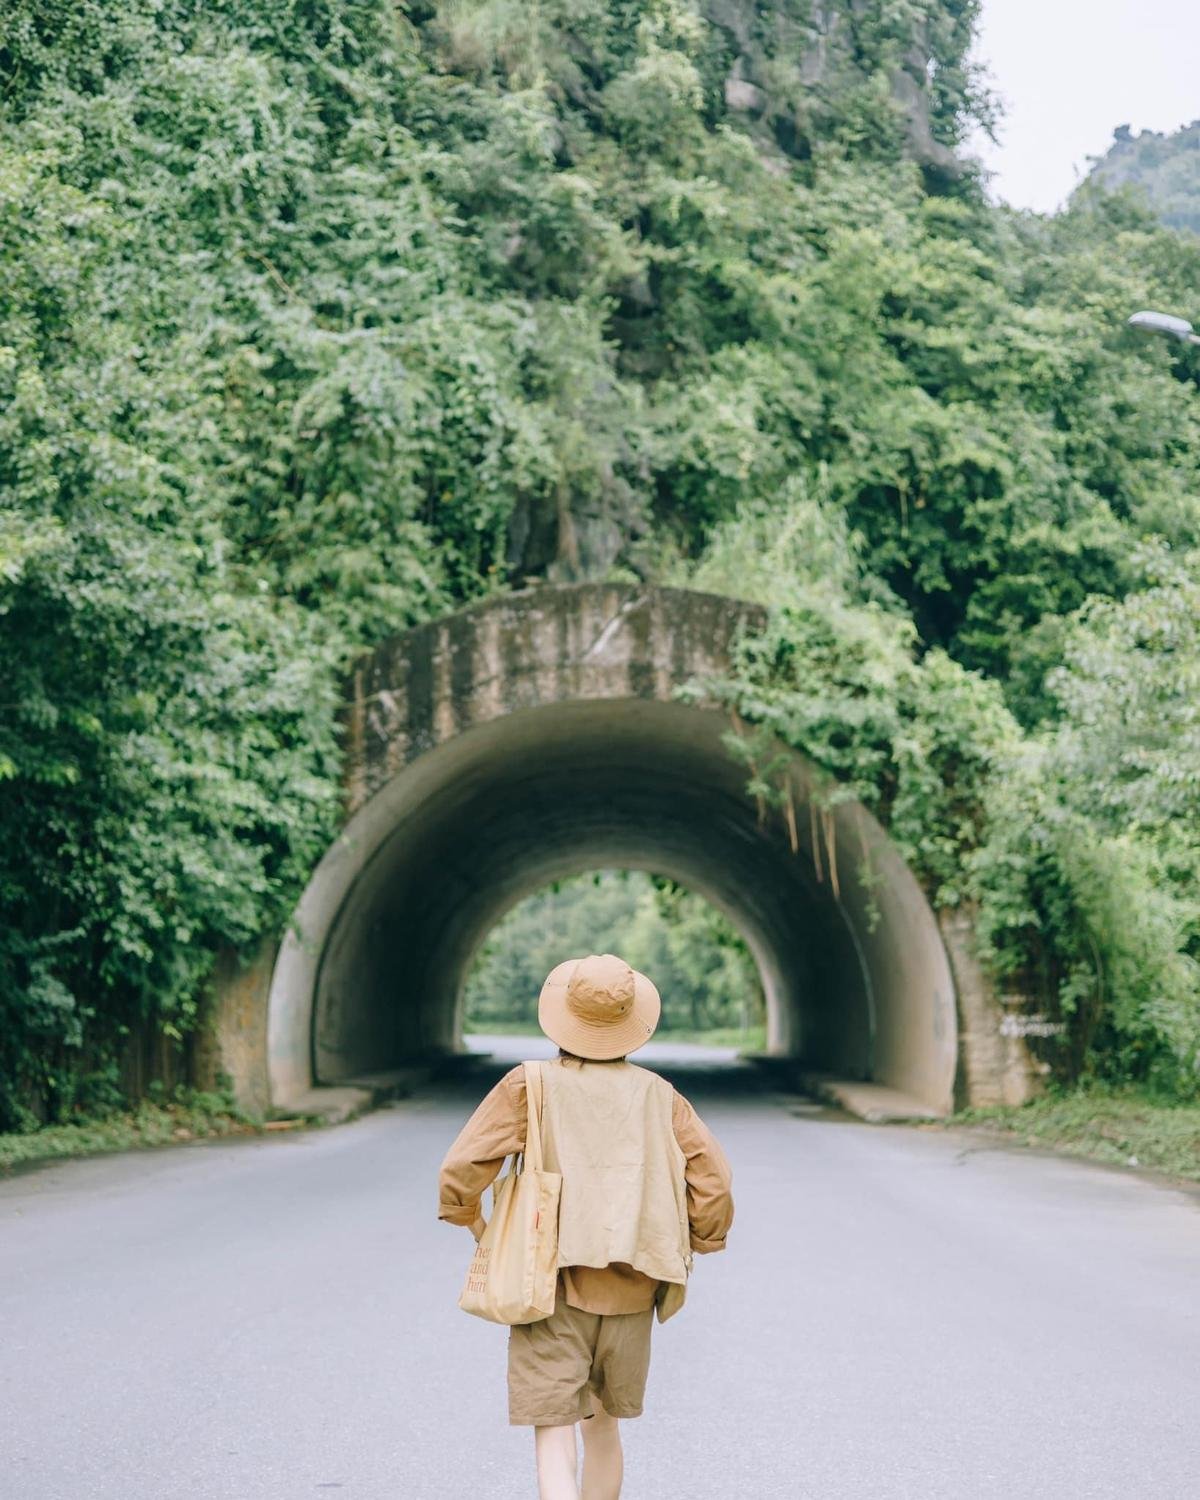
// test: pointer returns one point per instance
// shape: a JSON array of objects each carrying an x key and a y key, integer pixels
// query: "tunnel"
[{"x": 566, "y": 730}]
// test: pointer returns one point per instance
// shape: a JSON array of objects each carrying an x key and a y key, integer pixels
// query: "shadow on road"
[{"x": 712, "y": 1074}]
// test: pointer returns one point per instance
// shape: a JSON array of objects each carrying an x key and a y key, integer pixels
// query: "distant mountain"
[{"x": 1164, "y": 168}]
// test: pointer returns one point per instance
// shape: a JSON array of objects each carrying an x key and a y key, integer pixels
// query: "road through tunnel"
[{"x": 541, "y": 736}]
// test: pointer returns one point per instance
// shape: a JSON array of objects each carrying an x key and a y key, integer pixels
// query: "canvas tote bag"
[{"x": 513, "y": 1275}]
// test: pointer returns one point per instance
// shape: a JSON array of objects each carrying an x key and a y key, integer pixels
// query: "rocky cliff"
[
  {"x": 1161, "y": 169},
  {"x": 851, "y": 73}
]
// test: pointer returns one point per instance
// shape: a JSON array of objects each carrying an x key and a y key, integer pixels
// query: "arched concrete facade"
[{"x": 544, "y": 734}]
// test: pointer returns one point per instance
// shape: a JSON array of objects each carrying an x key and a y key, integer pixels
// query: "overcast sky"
[{"x": 1069, "y": 72}]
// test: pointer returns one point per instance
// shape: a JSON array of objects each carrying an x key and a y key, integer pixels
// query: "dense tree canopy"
[{"x": 319, "y": 318}]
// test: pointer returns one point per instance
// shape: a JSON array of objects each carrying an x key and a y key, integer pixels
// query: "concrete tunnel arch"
[{"x": 541, "y": 735}]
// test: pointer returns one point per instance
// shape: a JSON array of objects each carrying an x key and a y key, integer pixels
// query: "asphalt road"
[{"x": 901, "y": 1315}]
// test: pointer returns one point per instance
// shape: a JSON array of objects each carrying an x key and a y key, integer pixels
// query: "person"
[{"x": 644, "y": 1185}]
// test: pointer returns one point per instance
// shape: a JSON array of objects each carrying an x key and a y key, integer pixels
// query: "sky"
[{"x": 1069, "y": 72}]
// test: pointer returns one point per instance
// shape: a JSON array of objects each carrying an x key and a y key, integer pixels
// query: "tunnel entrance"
[{"x": 540, "y": 737}]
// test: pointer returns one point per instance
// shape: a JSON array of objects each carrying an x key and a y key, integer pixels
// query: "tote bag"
[{"x": 513, "y": 1275}]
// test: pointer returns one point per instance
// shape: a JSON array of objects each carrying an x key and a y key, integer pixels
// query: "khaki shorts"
[{"x": 554, "y": 1366}]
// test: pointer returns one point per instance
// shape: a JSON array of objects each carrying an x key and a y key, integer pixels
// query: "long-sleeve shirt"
[{"x": 497, "y": 1129}]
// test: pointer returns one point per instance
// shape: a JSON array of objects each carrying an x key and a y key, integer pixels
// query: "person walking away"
[{"x": 644, "y": 1186}]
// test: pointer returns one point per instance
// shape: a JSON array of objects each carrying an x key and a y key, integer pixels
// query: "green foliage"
[
  {"x": 1078, "y": 846},
  {"x": 1094, "y": 924},
  {"x": 836, "y": 675},
  {"x": 700, "y": 964},
  {"x": 1126, "y": 756},
  {"x": 322, "y": 318},
  {"x": 960, "y": 383},
  {"x": 166, "y": 748},
  {"x": 159, "y": 1120}
]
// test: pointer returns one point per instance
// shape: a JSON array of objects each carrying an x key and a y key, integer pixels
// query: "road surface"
[{"x": 901, "y": 1315}]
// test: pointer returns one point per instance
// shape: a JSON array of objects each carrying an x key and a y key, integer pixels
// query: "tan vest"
[{"x": 607, "y": 1128}]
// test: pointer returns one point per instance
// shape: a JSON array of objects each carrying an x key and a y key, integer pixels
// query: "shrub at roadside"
[{"x": 189, "y": 1115}]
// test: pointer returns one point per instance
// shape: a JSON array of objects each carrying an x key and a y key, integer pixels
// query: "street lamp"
[{"x": 1165, "y": 323}]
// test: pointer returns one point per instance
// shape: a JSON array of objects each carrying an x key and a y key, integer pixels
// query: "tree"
[{"x": 699, "y": 963}]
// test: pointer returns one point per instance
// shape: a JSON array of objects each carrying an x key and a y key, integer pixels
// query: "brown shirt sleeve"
[
  {"x": 494, "y": 1131},
  {"x": 708, "y": 1176}
]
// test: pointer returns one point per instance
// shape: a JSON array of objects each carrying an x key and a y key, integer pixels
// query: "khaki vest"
[{"x": 607, "y": 1128}]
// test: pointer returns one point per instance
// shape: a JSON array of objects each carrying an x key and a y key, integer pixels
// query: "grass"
[
  {"x": 190, "y": 1116},
  {"x": 753, "y": 1039},
  {"x": 1125, "y": 1128}
]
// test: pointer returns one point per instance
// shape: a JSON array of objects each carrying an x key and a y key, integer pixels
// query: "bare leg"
[
  {"x": 557, "y": 1462},
  {"x": 603, "y": 1461}
]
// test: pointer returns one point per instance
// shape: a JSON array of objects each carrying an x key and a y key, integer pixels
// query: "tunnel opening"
[
  {"x": 372, "y": 974},
  {"x": 707, "y": 978}
]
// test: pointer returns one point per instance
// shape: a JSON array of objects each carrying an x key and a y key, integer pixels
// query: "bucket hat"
[{"x": 598, "y": 1007}]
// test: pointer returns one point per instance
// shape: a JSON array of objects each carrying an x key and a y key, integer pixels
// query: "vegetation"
[
  {"x": 190, "y": 1115},
  {"x": 1127, "y": 1128},
  {"x": 1078, "y": 844},
  {"x": 322, "y": 318},
  {"x": 699, "y": 963},
  {"x": 1162, "y": 171}
]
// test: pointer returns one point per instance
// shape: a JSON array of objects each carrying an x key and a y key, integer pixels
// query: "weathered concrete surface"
[
  {"x": 334, "y": 1105},
  {"x": 871, "y": 1102},
  {"x": 899, "y": 1315},
  {"x": 235, "y": 1028},
  {"x": 546, "y": 646},
  {"x": 542, "y": 735},
  {"x": 995, "y": 1062}
]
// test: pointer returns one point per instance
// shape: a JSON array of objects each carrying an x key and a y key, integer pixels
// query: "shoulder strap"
[{"x": 533, "y": 1117}]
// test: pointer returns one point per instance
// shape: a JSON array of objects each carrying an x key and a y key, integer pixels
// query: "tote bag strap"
[{"x": 533, "y": 1116}]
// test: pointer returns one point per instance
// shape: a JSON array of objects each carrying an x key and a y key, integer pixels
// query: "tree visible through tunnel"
[{"x": 700, "y": 963}]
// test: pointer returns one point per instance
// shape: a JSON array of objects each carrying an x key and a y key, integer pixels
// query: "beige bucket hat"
[{"x": 598, "y": 1007}]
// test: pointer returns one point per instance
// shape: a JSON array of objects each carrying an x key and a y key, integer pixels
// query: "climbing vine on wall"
[{"x": 1076, "y": 845}]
